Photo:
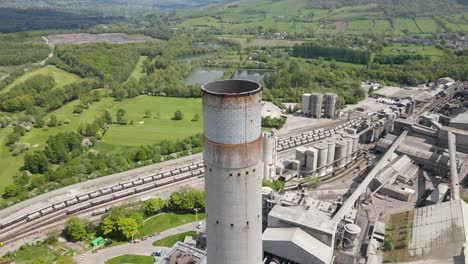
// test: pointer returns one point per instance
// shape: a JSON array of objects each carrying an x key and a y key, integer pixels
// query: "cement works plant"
[{"x": 361, "y": 186}]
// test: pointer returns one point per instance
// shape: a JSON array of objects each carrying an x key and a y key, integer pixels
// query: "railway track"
[{"x": 24, "y": 225}]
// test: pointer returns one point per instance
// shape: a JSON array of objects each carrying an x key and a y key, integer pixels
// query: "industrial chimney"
[{"x": 232, "y": 149}]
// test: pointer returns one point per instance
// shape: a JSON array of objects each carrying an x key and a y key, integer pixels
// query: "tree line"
[
  {"x": 18, "y": 53},
  {"x": 123, "y": 222},
  {"x": 314, "y": 50}
]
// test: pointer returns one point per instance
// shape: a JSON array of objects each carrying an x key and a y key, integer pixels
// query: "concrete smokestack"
[{"x": 233, "y": 174}]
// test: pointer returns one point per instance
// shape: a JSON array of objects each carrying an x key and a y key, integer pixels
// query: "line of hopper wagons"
[
  {"x": 312, "y": 136},
  {"x": 121, "y": 190}
]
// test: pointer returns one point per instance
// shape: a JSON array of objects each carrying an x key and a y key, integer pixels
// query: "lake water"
[
  {"x": 205, "y": 75},
  {"x": 252, "y": 75},
  {"x": 202, "y": 76}
]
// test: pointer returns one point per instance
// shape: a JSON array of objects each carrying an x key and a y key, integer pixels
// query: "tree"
[
  {"x": 127, "y": 227},
  {"x": 141, "y": 155},
  {"x": 312, "y": 182},
  {"x": 53, "y": 121},
  {"x": 74, "y": 229},
  {"x": 11, "y": 191},
  {"x": 195, "y": 118},
  {"x": 371, "y": 90},
  {"x": 147, "y": 114},
  {"x": 36, "y": 162},
  {"x": 121, "y": 116},
  {"x": 153, "y": 206},
  {"x": 12, "y": 139},
  {"x": 107, "y": 226},
  {"x": 39, "y": 123},
  {"x": 19, "y": 130},
  {"x": 108, "y": 117},
  {"x": 178, "y": 115}
]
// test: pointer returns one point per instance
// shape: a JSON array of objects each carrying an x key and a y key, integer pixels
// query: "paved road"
[{"x": 144, "y": 248}]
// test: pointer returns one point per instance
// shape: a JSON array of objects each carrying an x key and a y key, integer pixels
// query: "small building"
[
  {"x": 182, "y": 253},
  {"x": 98, "y": 241}
]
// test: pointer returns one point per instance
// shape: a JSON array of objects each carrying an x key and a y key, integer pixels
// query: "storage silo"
[
  {"x": 316, "y": 100},
  {"x": 322, "y": 158},
  {"x": 306, "y": 104},
  {"x": 232, "y": 150},
  {"x": 331, "y": 154},
  {"x": 355, "y": 139},
  {"x": 330, "y": 105},
  {"x": 311, "y": 159},
  {"x": 301, "y": 156},
  {"x": 269, "y": 154},
  {"x": 340, "y": 153},
  {"x": 349, "y": 148}
]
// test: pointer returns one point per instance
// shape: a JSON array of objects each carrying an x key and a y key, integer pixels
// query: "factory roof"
[
  {"x": 438, "y": 194},
  {"x": 460, "y": 118},
  {"x": 439, "y": 231},
  {"x": 296, "y": 245},
  {"x": 182, "y": 253},
  {"x": 310, "y": 219},
  {"x": 403, "y": 93}
]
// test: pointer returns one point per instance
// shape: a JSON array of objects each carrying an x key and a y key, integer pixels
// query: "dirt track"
[{"x": 83, "y": 38}]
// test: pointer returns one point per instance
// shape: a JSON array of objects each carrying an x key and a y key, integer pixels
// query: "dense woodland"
[
  {"x": 104, "y": 61},
  {"x": 15, "y": 20},
  {"x": 312, "y": 50}
]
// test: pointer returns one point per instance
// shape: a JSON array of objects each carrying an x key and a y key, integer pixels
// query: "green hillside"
[{"x": 330, "y": 17}]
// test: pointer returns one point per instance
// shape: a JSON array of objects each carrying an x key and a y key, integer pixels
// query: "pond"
[
  {"x": 253, "y": 75},
  {"x": 205, "y": 75}
]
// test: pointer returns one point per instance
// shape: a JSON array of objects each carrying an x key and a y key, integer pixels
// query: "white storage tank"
[
  {"x": 351, "y": 231},
  {"x": 340, "y": 153},
  {"x": 306, "y": 104},
  {"x": 322, "y": 158},
  {"x": 331, "y": 155},
  {"x": 316, "y": 101}
]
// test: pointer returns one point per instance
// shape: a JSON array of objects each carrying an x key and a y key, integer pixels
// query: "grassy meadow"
[
  {"x": 158, "y": 126},
  {"x": 61, "y": 77}
]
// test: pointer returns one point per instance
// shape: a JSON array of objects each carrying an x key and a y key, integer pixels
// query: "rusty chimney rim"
[{"x": 232, "y": 88}]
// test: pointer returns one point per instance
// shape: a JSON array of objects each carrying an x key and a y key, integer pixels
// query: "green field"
[
  {"x": 8, "y": 163},
  {"x": 433, "y": 52},
  {"x": 245, "y": 42},
  {"x": 158, "y": 126},
  {"x": 131, "y": 259},
  {"x": 41, "y": 254},
  {"x": 61, "y": 78},
  {"x": 303, "y": 16},
  {"x": 119, "y": 137},
  {"x": 166, "y": 221},
  {"x": 171, "y": 240},
  {"x": 137, "y": 72}
]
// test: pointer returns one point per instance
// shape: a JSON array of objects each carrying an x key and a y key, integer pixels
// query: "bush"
[{"x": 178, "y": 115}]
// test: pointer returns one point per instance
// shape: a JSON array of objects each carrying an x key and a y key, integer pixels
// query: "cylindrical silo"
[
  {"x": 311, "y": 159},
  {"x": 232, "y": 149},
  {"x": 340, "y": 153},
  {"x": 301, "y": 156},
  {"x": 331, "y": 154},
  {"x": 306, "y": 104},
  {"x": 316, "y": 100},
  {"x": 330, "y": 105},
  {"x": 349, "y": 148},
  {"x": 322, "y": 158},
  {"x": 355, "y": 145},
  {"x": 269, "y": 155}
]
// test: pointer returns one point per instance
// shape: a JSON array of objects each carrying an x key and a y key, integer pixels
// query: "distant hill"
[
  {"x": 332, "y": 16},
  {"x": 114, "y": 7}
]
